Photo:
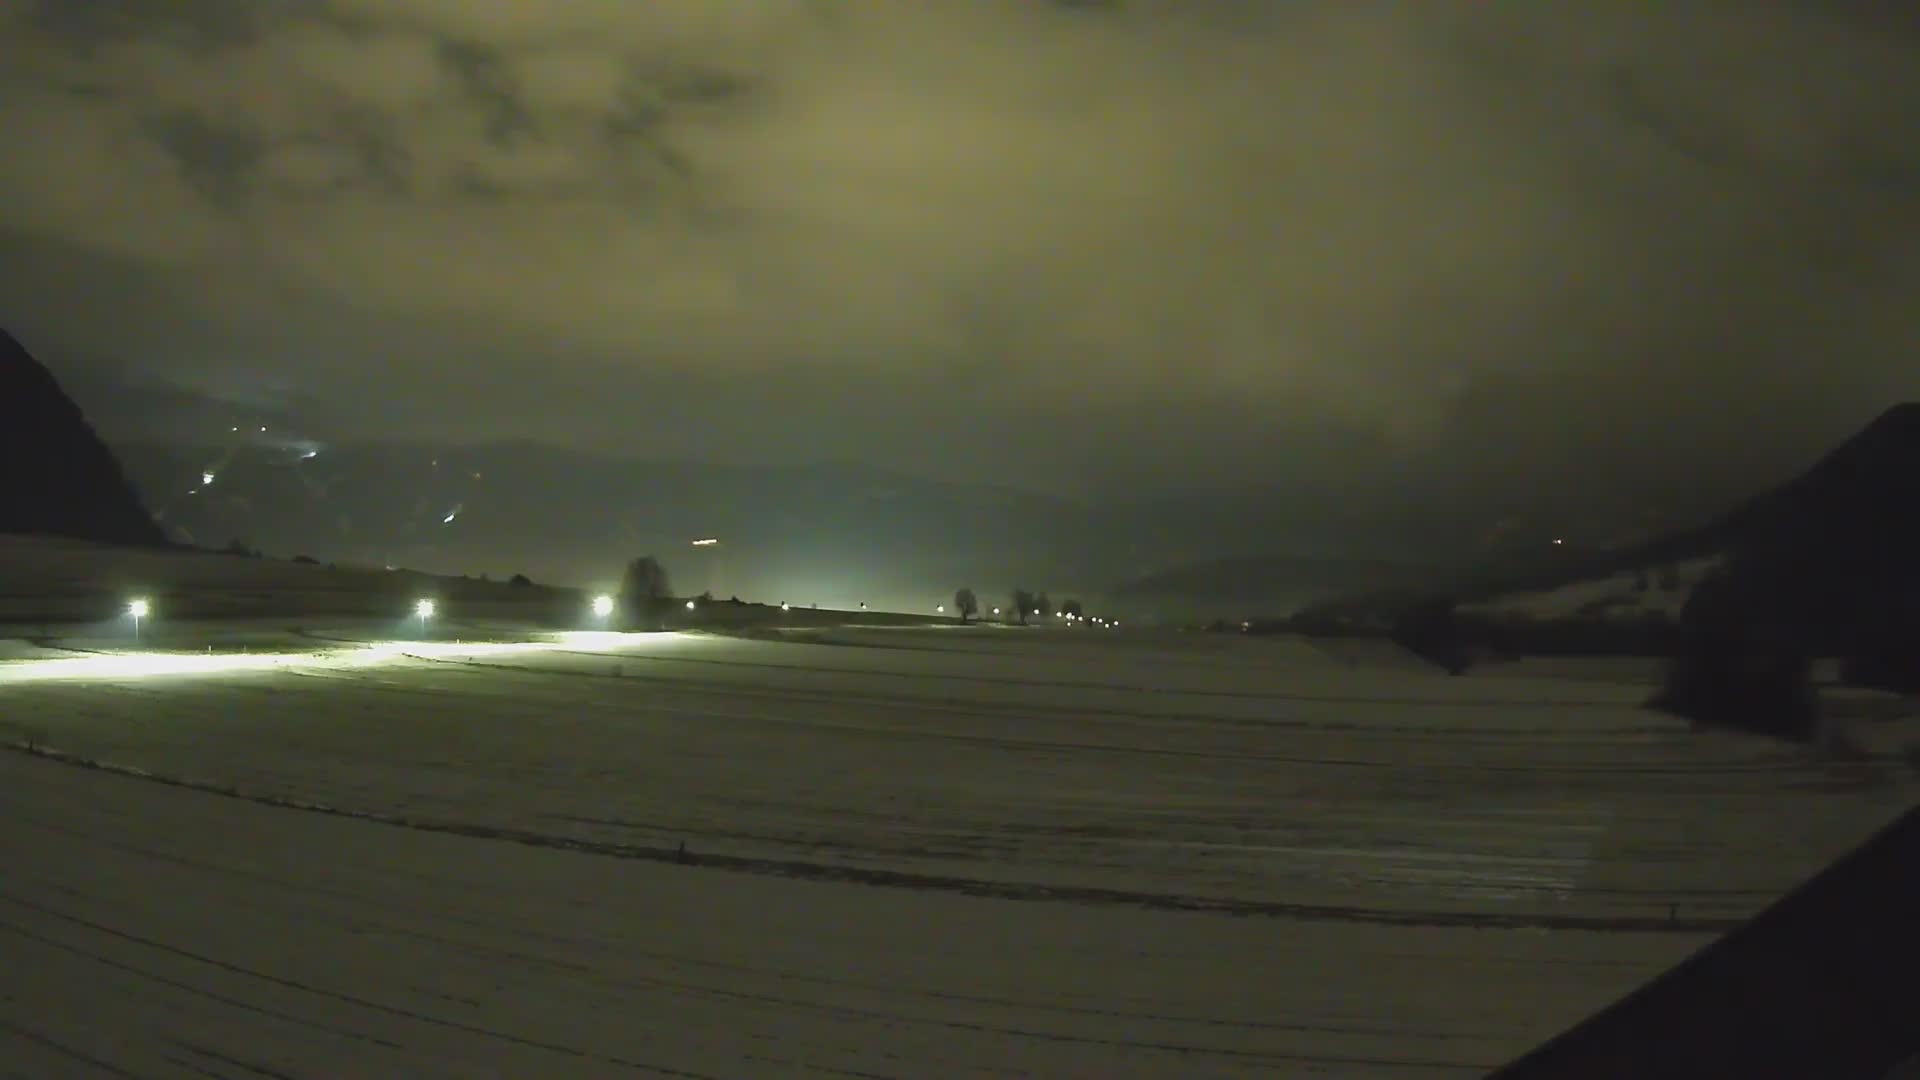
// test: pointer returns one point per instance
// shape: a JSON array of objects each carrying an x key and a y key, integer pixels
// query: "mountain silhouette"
[{"x": 58, "y": 478}]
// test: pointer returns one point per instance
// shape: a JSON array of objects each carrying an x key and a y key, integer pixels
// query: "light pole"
[
  {"x": 139, "y": 609},
  {"x": 712, "y": 543},
  {"x": 423, "y": 609}
]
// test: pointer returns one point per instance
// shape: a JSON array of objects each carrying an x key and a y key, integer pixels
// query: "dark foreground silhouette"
[{"x": 1825, "y": 983}]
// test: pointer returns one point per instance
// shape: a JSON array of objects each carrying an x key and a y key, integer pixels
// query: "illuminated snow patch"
[{"x": 145, "y": 665}]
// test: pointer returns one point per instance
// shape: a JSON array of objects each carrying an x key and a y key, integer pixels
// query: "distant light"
[
  {"x": 1056, "y": 614},
  {"x": 940, "y": 609},
  {"x": 603, "y": 606},
  {"x": 236, "y": 429},
  {"x": 783, "y": 605},
  {"x": 689, "y": 605},
  {"x": 423, "y": 608},
  {"x": 448, "y": 520},
  {"x": 309, "y": 455},
  {"x": 263, "y": 430},
  {"x": 139, "y": 609},
  {"x": 1557, "y": 540},
  {"x": 707, "y": 541},
  {"x": 996, "y": 611},
  {"x": 863, "y": 605},
  {"x": 206, "y": 479}
]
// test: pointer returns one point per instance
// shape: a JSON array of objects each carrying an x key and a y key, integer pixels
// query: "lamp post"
[
  {"x": 139, "y": 609},
  {"x": 712, "y": 545}
]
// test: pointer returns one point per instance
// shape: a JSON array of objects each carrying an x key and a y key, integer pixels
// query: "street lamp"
[
  {"x": 139, "y": 609},
  {"x": 689, "y": 605},
  {"x": 424, "y": 609},
  {"x": 602, "y": 606},
  {"x": 712, "y": 545}
]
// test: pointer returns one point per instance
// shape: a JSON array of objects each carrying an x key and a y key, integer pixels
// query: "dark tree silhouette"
[
  {"x": 645, "y": 593},
  {"x": 967, "y": 604},
  {"x": 1073, "y": 608},
  {"x": 1042, "y": 605},
  {"x": 1431, "y": 631},
  {"x": 1023, "y": 605},
  {"x": 1740, "y": 664}
]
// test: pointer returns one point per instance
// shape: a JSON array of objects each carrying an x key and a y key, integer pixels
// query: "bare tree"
[
  {"x": 967, "y": 604},
  {"x": 1023, "y": 605},
  {"x": 645, "y": 593}
]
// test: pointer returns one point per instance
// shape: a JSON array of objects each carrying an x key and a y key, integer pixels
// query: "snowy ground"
[
  {"x": 1616, "y": 596},
  {"x": 924, "y": 852}
]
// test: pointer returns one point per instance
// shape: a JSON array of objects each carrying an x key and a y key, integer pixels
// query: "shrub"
[{"x": 520, "y": 581}]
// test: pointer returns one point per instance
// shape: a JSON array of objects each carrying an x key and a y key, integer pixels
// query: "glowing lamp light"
[
  {"x": 139, "y": 609},
  {"x": 206, "y": 479},
  {"x": 940, "y": 609},
  {"x": 783, "y": 605},
  {"x": 603, "y": 606},
  {"x": 423, "y": 608},
  {"x": 689, "y": 605}
]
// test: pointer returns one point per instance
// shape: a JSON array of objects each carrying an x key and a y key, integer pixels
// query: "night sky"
[{"x": 1084, "y": 247}]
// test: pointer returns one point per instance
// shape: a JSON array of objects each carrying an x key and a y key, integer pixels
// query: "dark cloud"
[{"x": 1161, "y": 242}]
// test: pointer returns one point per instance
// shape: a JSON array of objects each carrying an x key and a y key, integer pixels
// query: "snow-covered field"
[{"x": 907, "y": 852}]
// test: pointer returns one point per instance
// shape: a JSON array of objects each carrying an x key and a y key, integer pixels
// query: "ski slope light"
[
  {"x": 689, "y": 605},
  {"x": 602, "y": 606},
  {"x": 139, "y": 609},
  {"x": 423, "y": 608}
]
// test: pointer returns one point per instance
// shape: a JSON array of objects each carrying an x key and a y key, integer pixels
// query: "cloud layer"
[{"x": 1063, "y": 243}]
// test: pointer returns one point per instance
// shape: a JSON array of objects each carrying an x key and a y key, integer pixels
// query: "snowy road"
[{"x": 911, "y": 853}]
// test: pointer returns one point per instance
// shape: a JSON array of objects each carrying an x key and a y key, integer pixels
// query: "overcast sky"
[{"x": 1058, "y": 244}]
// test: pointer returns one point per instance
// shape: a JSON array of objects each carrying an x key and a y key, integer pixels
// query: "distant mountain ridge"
[
  {"x": 56, "y": 476},
  {"x": 1851, "y": 518}
]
